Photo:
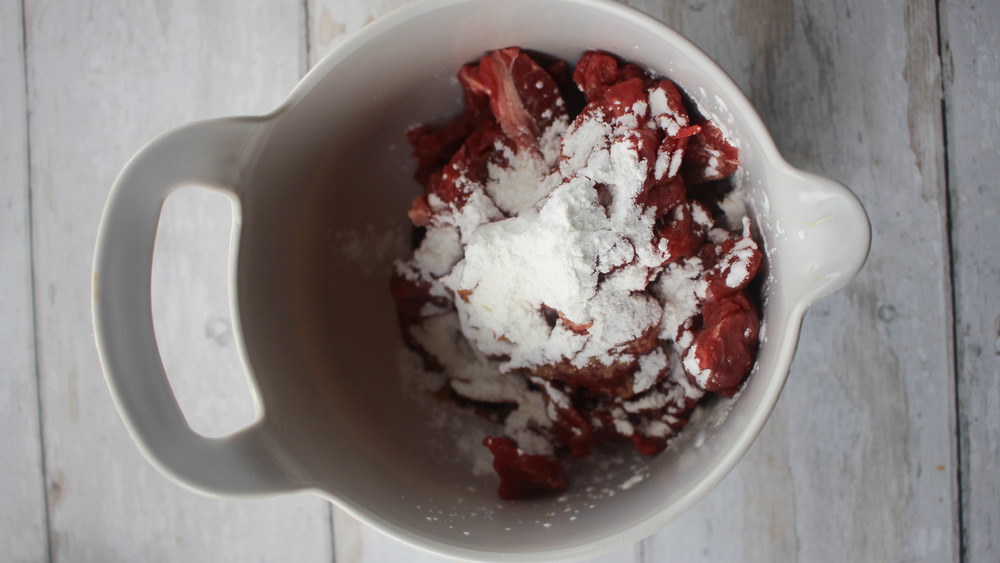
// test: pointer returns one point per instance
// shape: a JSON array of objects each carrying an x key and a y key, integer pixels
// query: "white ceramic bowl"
[{"x": 318, "y": 331}]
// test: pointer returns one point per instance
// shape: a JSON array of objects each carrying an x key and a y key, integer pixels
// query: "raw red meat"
[
  {"x": 727, "y": 346},
  {"x": 523, "y": 475},
  {"x": 511, "y": 97},
  {"x": 709, "y": 156}
]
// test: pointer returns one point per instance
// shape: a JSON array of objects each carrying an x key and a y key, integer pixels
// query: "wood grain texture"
[
  {"x": 23, "y": 535},
  {"x": 332, "y": 20},
  {"x": 190, "y": 300},
  {"x": 971, "y": 43},
  {"x": 857, "y": 461},
  {"x": 861, "y": 459},
  {"x": 103, "y": 79}
]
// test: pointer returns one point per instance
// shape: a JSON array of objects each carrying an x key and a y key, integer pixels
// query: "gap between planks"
[
  {"x": 952, "y": 304},
  {"x": 29, "y": 216}
]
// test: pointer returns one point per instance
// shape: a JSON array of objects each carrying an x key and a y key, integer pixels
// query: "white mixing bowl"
[{"x": 317, "y": 327}]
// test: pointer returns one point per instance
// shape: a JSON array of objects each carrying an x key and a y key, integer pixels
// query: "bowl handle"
[
  {"x": 208, "y": 153},
  {"x": 826, "y": 232}
]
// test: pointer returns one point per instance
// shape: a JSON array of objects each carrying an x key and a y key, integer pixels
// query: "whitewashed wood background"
[{"x": 885, "y": 445}]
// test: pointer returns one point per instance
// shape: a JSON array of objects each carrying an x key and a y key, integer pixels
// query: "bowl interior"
[{"x": 324, "y": 217}]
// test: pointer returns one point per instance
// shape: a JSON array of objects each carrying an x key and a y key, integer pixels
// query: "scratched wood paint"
[
  {"x": 190, "y": 300},
  {"x": 972, "y": 85},
  {"x": 856, "y": 461},
  {"x": 104, "y": 79},
  {"x": 22, "y": 516}
]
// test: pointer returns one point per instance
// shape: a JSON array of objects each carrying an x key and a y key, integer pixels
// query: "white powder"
[
  {"x": 680, "y": 378},
  {"x": 470, "y": 447},
  {"x": 692, "y": 366},
  {"x": 620, "y": 317},
  {"x": 472, "y": 374},
  {"x": 739, "y": 265},
  {"x": 475, "y": 376},
  {"x": 668, "y": 119},
  {"x": 719, "y": 236},
  {"x": 414, "y": 377},
  {"x": 512, "y": 267},
  {"x": 370, "y": 250},
  {"x": 657, "y": 429},
  {"x": 444, "y": 417},
  {"x": 410, "y": 271},
  {"x": 525, "y": 179},
  {"x": 621, "y": 422},
  {"x": 522, "y": 425},
  {"x": 713, "y": 162},
  {"x": 650, "y": 367},
  {"x": 440, "y": 250},
  {"x": 682, "y": 289},
  {"x": 651, "y": 401},
  {"x": 551, "y": 255},
  {"x": 734, "y": 209},
  {"x": 518, "y": 186},
  {"x": 632, "y": 481},
  {"x": 667, "y": 163},
  {"x": 674, "y": 390},
  {"x": 675, "y": 162},
  {"x": 478, "y": 210},
  {"x": 701, "y": 216},
  {"x": 738, "y": 261},
  {"x": 613, "y": 251},
  {"x": 557, "y": 397}
]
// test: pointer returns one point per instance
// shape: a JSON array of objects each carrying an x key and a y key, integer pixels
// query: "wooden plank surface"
[
  {"x": 971, "y": 39},
  {"x": 23, "y": 535},
  {"x": 857, "y": 461},
  {"x": 103, "y": 79},
  {"x": 869, "y": 455}
]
